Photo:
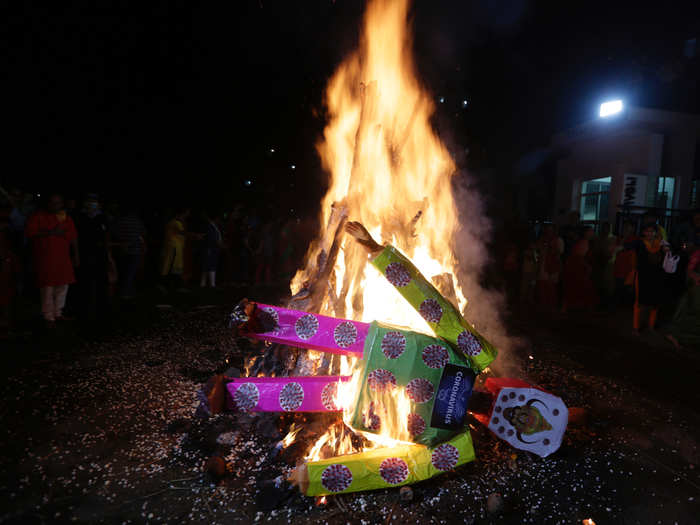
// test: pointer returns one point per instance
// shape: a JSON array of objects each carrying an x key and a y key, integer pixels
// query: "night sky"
[{"x": 165, "y": 101}]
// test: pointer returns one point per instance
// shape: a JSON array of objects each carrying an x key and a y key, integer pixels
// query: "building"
[{"x": 638, "y": 161}]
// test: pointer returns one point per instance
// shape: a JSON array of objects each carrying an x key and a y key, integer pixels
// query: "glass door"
[{"x": 595, "y": 196}]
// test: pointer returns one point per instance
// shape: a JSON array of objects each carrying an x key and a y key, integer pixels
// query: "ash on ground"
[{"x": 104, "y": 431}]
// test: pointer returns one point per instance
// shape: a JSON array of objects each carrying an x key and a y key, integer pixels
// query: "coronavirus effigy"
[{"x": 414, "y": 388}]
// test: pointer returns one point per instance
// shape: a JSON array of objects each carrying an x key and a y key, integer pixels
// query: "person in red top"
[
  {"x": 579, "y": 292},
  {"x": 9, "y": 273},
  {"x": 52, "y": 234}
]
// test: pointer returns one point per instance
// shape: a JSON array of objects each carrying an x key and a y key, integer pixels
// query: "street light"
[{"x": 612, "y": 107}]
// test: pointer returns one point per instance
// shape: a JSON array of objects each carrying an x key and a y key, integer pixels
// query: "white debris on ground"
[{"x": 108, "y": 434}]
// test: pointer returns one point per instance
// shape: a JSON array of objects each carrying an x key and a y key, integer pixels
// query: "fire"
[
  {"x": 336, "y": 441},
  {"x": 394, "y": 428},
  {"x": 390, "y": 171},
  {"x": 291, "y": 436}
]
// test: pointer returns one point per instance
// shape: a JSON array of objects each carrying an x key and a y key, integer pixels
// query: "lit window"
[
  {"x": 595, "y": 195},
  {"x": 664, "y": 192}
]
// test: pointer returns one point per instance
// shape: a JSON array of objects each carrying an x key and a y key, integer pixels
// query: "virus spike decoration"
[
  {"x": 393, "y": 470},
  {"x": 393, "y": 345},
  {"x": 336, "y": 478},
  {"x": 291, "y": 396},
  {"x": 420, "y": 390},
  {"x": 345, "y": 334},
  {"x": 246, "y": 397},
  {"x": 306, "y": 326},
  {"x": 381, "y": 380},
  {"x": 445, "y": 457},
  {"x": 435, "y": 356}
]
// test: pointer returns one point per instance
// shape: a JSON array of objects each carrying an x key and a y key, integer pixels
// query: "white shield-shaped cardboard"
[{"x": 552, "y": 409}]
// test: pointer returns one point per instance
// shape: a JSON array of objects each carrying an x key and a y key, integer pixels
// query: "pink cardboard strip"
[
  {"x": 313, "y": 331},
  {"x": 284, "y": 394}
]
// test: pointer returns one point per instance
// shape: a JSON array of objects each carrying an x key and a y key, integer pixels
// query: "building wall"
[
  {"x": 682, "y": 150},
  {"x": 610, "y": 156},
  {"x": 642, "y": 142}
]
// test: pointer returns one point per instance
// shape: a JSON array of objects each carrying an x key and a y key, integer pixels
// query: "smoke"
[{"x": 486, "y": 307}]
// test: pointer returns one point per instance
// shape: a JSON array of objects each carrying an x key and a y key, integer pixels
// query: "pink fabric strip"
[
  {"x": 284, "y": 394},
  {"x": 305, "y": 330}
]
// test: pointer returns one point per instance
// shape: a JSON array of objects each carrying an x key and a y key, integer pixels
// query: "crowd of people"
[
  {"x": 79, "y": 259},
  {"x": 573, "y": 268}
]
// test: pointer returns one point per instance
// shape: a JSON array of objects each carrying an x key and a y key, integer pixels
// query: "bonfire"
[{"x": 374, "y": 330}]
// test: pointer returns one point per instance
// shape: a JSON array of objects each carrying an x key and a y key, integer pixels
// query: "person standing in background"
[
  {"x": 71, "y": 207},
  {"x": 17, "y": 220},
  {"x": 10, "y": 272},
  {"x": 130, "y": 238},
  {"x": 94, "y": 243},
  {"x": 213, "y": 241},
  {"x": 249, "y": 247},
  {"x": 173, "y": 258},
  {"x": 651, "y": 218},
  {"x": 579, "y": 292},
  {"x": 649, "y": 283},
  {"x": 528, "y": 274},
  {"x": 287, "y": 250},
  {"x": 570, "y": 232},
  {"x": 21, "y": 207},
  {"x": 266, "y": 253},
  {"x": 549, "y": 247},
  {"x": 511, "y": 272},
  {"x": 233, "y": 244},
  {"x": 625, "y": 265},
  {"x": 55, "y": 249},
  {"x": 685, "y": 326},
  {"x": 603, "y": 260}
]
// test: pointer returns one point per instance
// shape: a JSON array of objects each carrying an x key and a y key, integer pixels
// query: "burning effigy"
[
  {"x": 386, "y": 345},
  {"x": 416, "y": 385}
]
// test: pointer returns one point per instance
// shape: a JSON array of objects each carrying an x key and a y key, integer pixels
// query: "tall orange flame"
[{"x": 388, "y": 170}]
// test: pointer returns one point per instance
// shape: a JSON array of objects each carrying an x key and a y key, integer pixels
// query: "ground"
[{"x": 99, "y": 427}]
